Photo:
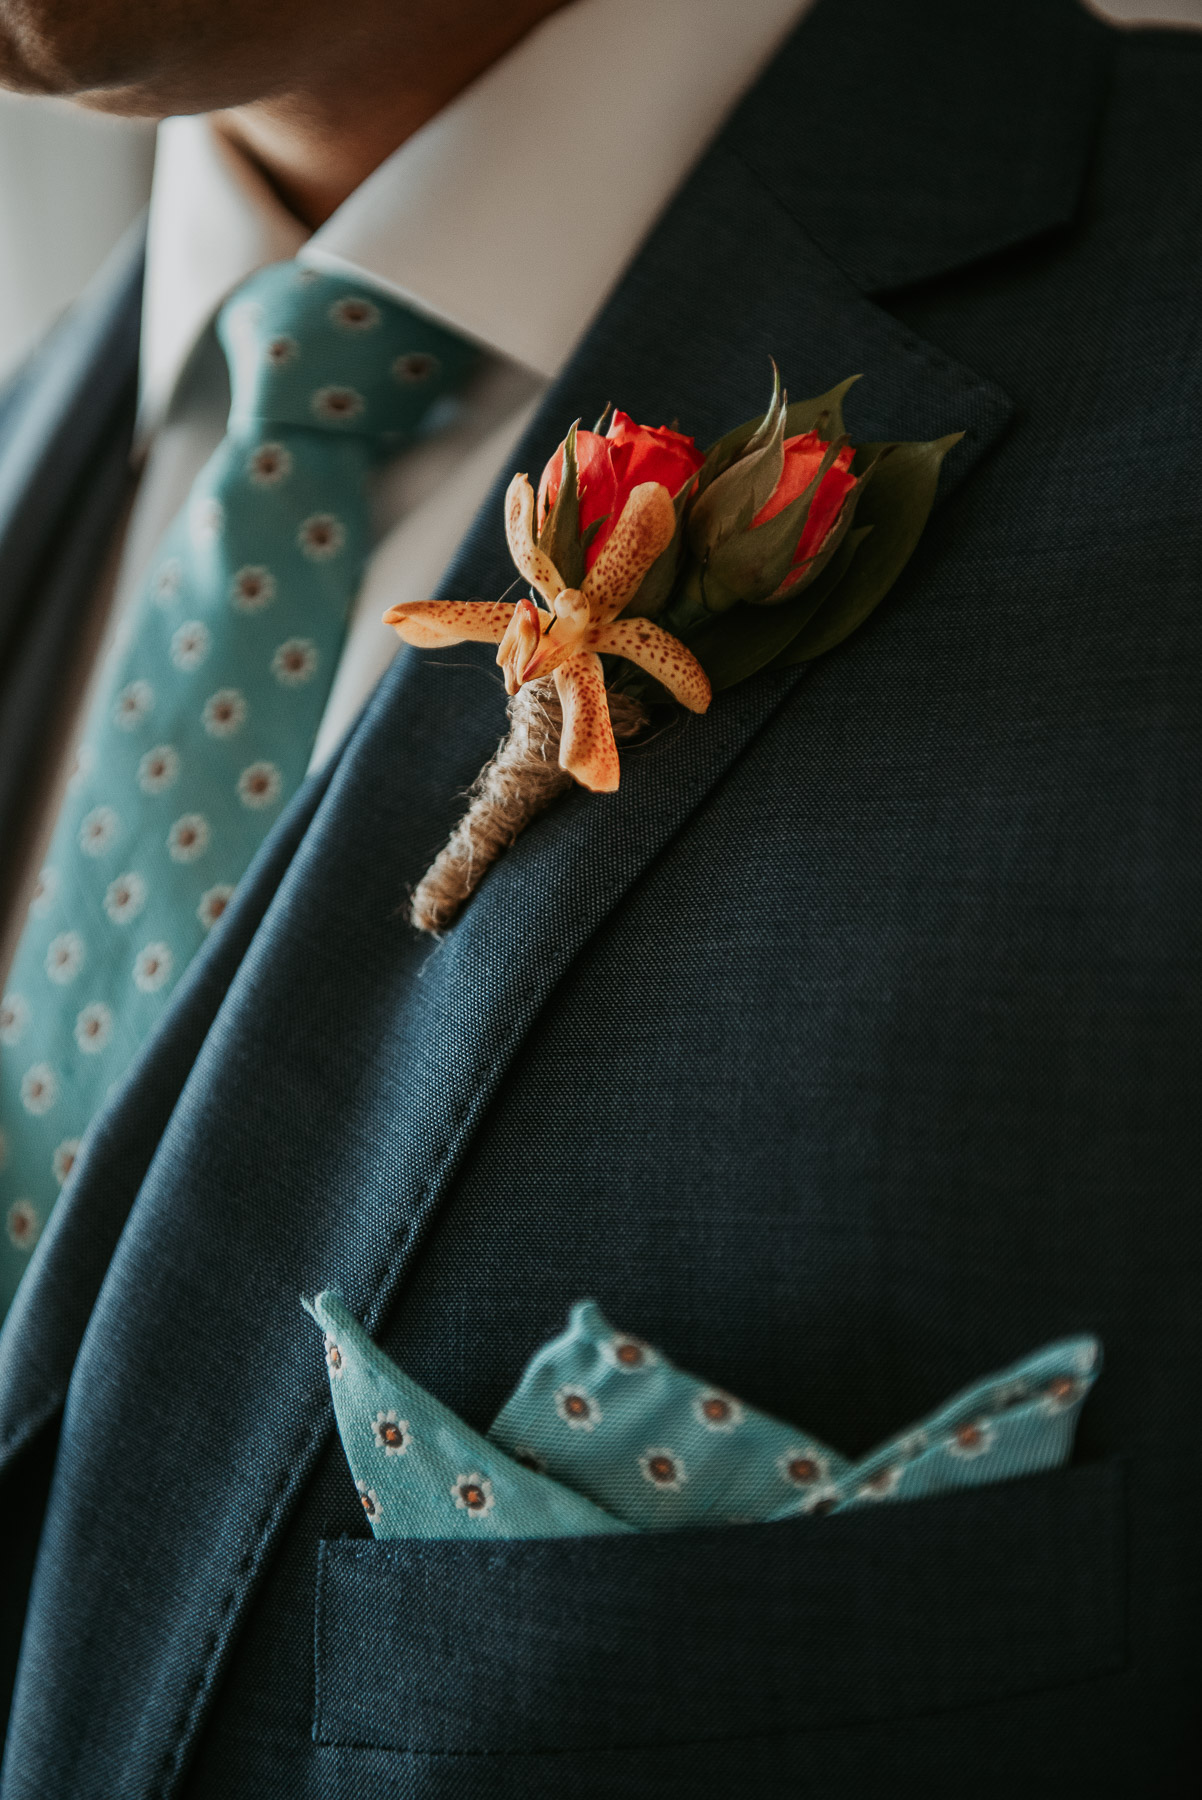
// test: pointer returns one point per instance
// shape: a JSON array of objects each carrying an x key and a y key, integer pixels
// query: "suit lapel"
[
  {"x": 346, "y": 1069},
  {"x": 65, "y": 433}
]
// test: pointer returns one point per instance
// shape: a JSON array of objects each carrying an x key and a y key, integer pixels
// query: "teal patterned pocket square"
[{"x": 604, "y": 1434}]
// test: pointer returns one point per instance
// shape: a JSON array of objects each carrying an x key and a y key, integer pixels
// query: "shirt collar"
[{"x": 509, "y": 216}]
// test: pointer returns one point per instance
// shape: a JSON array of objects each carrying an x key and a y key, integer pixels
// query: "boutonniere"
[{"x": 658, "y": 575}]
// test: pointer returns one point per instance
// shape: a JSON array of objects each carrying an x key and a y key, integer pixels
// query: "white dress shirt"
[{"x": 600, "y": 112}]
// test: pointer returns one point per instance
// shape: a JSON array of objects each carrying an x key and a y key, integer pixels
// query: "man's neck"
[{"x": 316, "y": 146}]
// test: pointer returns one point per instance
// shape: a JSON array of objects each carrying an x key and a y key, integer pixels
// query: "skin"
[{"x": 316, "y": 95}]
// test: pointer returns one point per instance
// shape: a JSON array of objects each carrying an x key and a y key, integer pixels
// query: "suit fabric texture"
[{"x": 848, "y": 1051}]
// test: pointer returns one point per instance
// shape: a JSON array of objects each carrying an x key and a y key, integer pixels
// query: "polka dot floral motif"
[
  {"x": 473, "y": 1495},
  {"x": 253, "y": 588},
  {"x": 337, "y": 404},
  {"x": 269, "y": 464},
  {"x": 355, "y": 313},
  {"x": 134, "y": 704},
  {"x": 369, "y": 1500},
  {"x": 98, "y": 831},
  {"x": 213, "y": 903},
  {"x": 656, "y": 1462},
  {"x": 125, "y": 897},
  {"x": 190, "y": 645},
  {"x": 805, "y": 1467},
  {"x": 321, "y": 537},
  {"x": 204, "y": 718},
  {"x": 260, "y": 785},
  {"x": 152, "y": 968},
  {"x": 44, "y": 890},
  {"x": 39, "y": 1089},
  {"x": 158, "y": 769},
  {"x": 224, "y": 713},
  {"x": 94, "y": 1028},
  {"x": 663, "y": 1469},
  {"x": 23, "y": 1225},
  {"x": 14, "y": 1017},
  {"x": 65, "y": 957},
  {"x": 188, "y": 838},
  {"x": 392, "y": 1435},
  {"x": 295, "y": 662},
  {"x": 63, "y": 1160},
  {"x": 577, "y": 1409}
]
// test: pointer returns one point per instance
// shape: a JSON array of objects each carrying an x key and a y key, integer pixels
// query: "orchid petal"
[
  {"x": 586, "y": 748},
  {"x": 645, "y": 529},
  {"x": 532, "y": 562},
  {"x": 430, "y": 623},
  {"x": 660, "y": 654},
  {"x": 572, "y": 624},
  {"x": 518, "y": 649}
]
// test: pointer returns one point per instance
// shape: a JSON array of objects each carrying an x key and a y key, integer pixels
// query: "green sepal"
[
  {"x": 736, "y": 644},
  {"x": 897, "y": 508},
  {"x": 823, "y": 414},
  {"x": 752, "y": 565},
  {"x": 730, "y": 500},
  {"x": 560, "y": 536}
]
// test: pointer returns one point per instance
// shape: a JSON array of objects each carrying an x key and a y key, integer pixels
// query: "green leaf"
[
  {"x": 897, "y": 508},
  {"x": 560, "y": 535},
  {"x": 738, "y": 643},
  {"x": 824, "y": 414}
]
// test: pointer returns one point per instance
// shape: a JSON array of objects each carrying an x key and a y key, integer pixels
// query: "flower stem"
[{"x": 520, "y": 781}]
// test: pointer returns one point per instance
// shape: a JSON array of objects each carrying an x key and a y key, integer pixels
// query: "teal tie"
[{"x": 206, "y": 713}]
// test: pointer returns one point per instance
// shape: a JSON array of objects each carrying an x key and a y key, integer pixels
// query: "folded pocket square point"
[{"x": 604, "y": 1434}]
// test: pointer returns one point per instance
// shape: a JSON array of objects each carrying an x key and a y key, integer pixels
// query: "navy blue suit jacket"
[{"x": 849, "y": 1051}]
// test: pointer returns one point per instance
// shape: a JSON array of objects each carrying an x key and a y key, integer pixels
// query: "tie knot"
[{"x": 316, "y": 350}]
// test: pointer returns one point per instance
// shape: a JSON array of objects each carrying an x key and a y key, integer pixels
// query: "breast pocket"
[{"x": 606, "y": 1642}]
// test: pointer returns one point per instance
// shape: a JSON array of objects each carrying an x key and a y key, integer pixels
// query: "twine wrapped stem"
[{"x": 521, "y": 781}]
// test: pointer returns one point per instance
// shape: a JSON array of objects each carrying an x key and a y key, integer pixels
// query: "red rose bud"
[
  {"x": 803, "y": 455},
  {"x": 609, "y": 467}
]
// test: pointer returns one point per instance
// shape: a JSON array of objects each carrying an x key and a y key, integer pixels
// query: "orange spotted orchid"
[{"x": 568, "y": 635}]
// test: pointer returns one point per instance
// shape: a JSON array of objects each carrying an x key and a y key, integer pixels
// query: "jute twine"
[{"x": 520, "y": 782}]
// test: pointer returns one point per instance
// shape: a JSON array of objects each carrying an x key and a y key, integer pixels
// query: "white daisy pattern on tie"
[
  {"x": 63, "y": 1160},
  {"x": 14, "y": 1017},
  {"x": 224, "y": 712},
  {"x": 253, "y": 588},
  {"x": 190, "y": 644},
  {"x": 158, "y": 769},
  {"x": 65, "y": 957},
  {"x": 213, "y": 903},
  {"x": 23, "y": 1225},
  {"x": 295, "y": 662},
  {"x": 188, "y": 838},
  {"x": 44, "y": 890},
  {"x": 205, "y": 713},
  {"x": 125, "y": 897},
  {"x": 94, "y": 1028},
  {"x": 152, "y": 968}
]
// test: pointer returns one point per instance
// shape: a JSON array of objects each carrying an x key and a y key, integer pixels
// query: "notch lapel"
[
  {"x": 65, "y": 430},
  {"x": 344, "y": 1073}
]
